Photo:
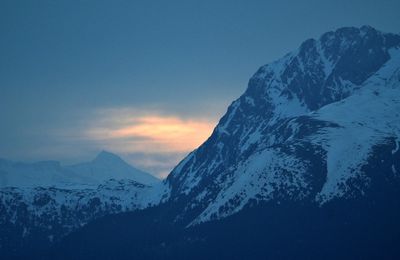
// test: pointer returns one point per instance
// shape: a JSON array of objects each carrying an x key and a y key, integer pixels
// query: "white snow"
[
  {"x": 113, "y": 196},
  {"x": 256, "y": 177},
  {"x": 396, "y": 149},
  {"x": 328, "y": 66},
  {"x": 365, "y": 119},
  {"x": 222, "y": 128}
]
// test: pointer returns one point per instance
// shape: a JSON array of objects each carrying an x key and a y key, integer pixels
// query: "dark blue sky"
[{"x": 72, "y": 72}]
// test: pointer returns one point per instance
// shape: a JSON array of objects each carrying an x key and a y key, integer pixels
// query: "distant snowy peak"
[
  {"x": 104, "y": 167},
  {"x": 307, "y": 127},
  {"x": 107, "y": 166},
  {"x": 105, "y": 157}
]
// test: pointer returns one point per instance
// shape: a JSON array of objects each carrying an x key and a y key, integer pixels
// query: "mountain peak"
[
  {"x": 322, "y": 71},
  {"x": 105, "y": 156},
  {"x": 107, "y": 165},
  {"x": 353, "y": 32}
]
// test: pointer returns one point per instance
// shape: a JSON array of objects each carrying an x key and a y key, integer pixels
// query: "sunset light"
[{"x": 129, "y": 132}]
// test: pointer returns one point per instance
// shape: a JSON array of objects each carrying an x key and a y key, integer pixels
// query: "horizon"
[{"x": 93, "y": 159}]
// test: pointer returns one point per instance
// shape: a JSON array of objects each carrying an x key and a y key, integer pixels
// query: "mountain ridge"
[{"x": 302, "y": 82}]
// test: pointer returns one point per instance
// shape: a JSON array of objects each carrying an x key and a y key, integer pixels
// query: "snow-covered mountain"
[
  {"x": 104, "y": 167},
  {"x": 304, "y": 165},
  {"x": 37, "y": 216},
  {"x": 316, "y": 132},
  {"x": 307, "y": 128},
  {"x": 110, "y": 166},
  {"x": 42, "y": 202}
]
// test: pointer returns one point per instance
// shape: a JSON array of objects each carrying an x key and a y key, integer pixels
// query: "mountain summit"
[
  {"x": 107, "y": 157},
  {"x": 107, "y": 166}
]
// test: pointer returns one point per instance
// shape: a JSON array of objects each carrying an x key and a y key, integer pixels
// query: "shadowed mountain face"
[{"x": 305, "y": 164}]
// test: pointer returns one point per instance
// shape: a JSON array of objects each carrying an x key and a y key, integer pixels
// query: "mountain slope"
[
  {"x": 303, "y": 129},
  {"x": 42, "y": 202}
]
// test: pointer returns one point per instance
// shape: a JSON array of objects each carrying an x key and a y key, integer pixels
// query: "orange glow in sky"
[
  {"x": 171, "y": 133},
  {"x": 129, "y": 132}
]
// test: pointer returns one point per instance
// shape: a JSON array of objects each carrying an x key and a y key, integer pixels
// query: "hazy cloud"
[
  {"x": 130, "y": 130},
  {"x": 150, "y": 140}
]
